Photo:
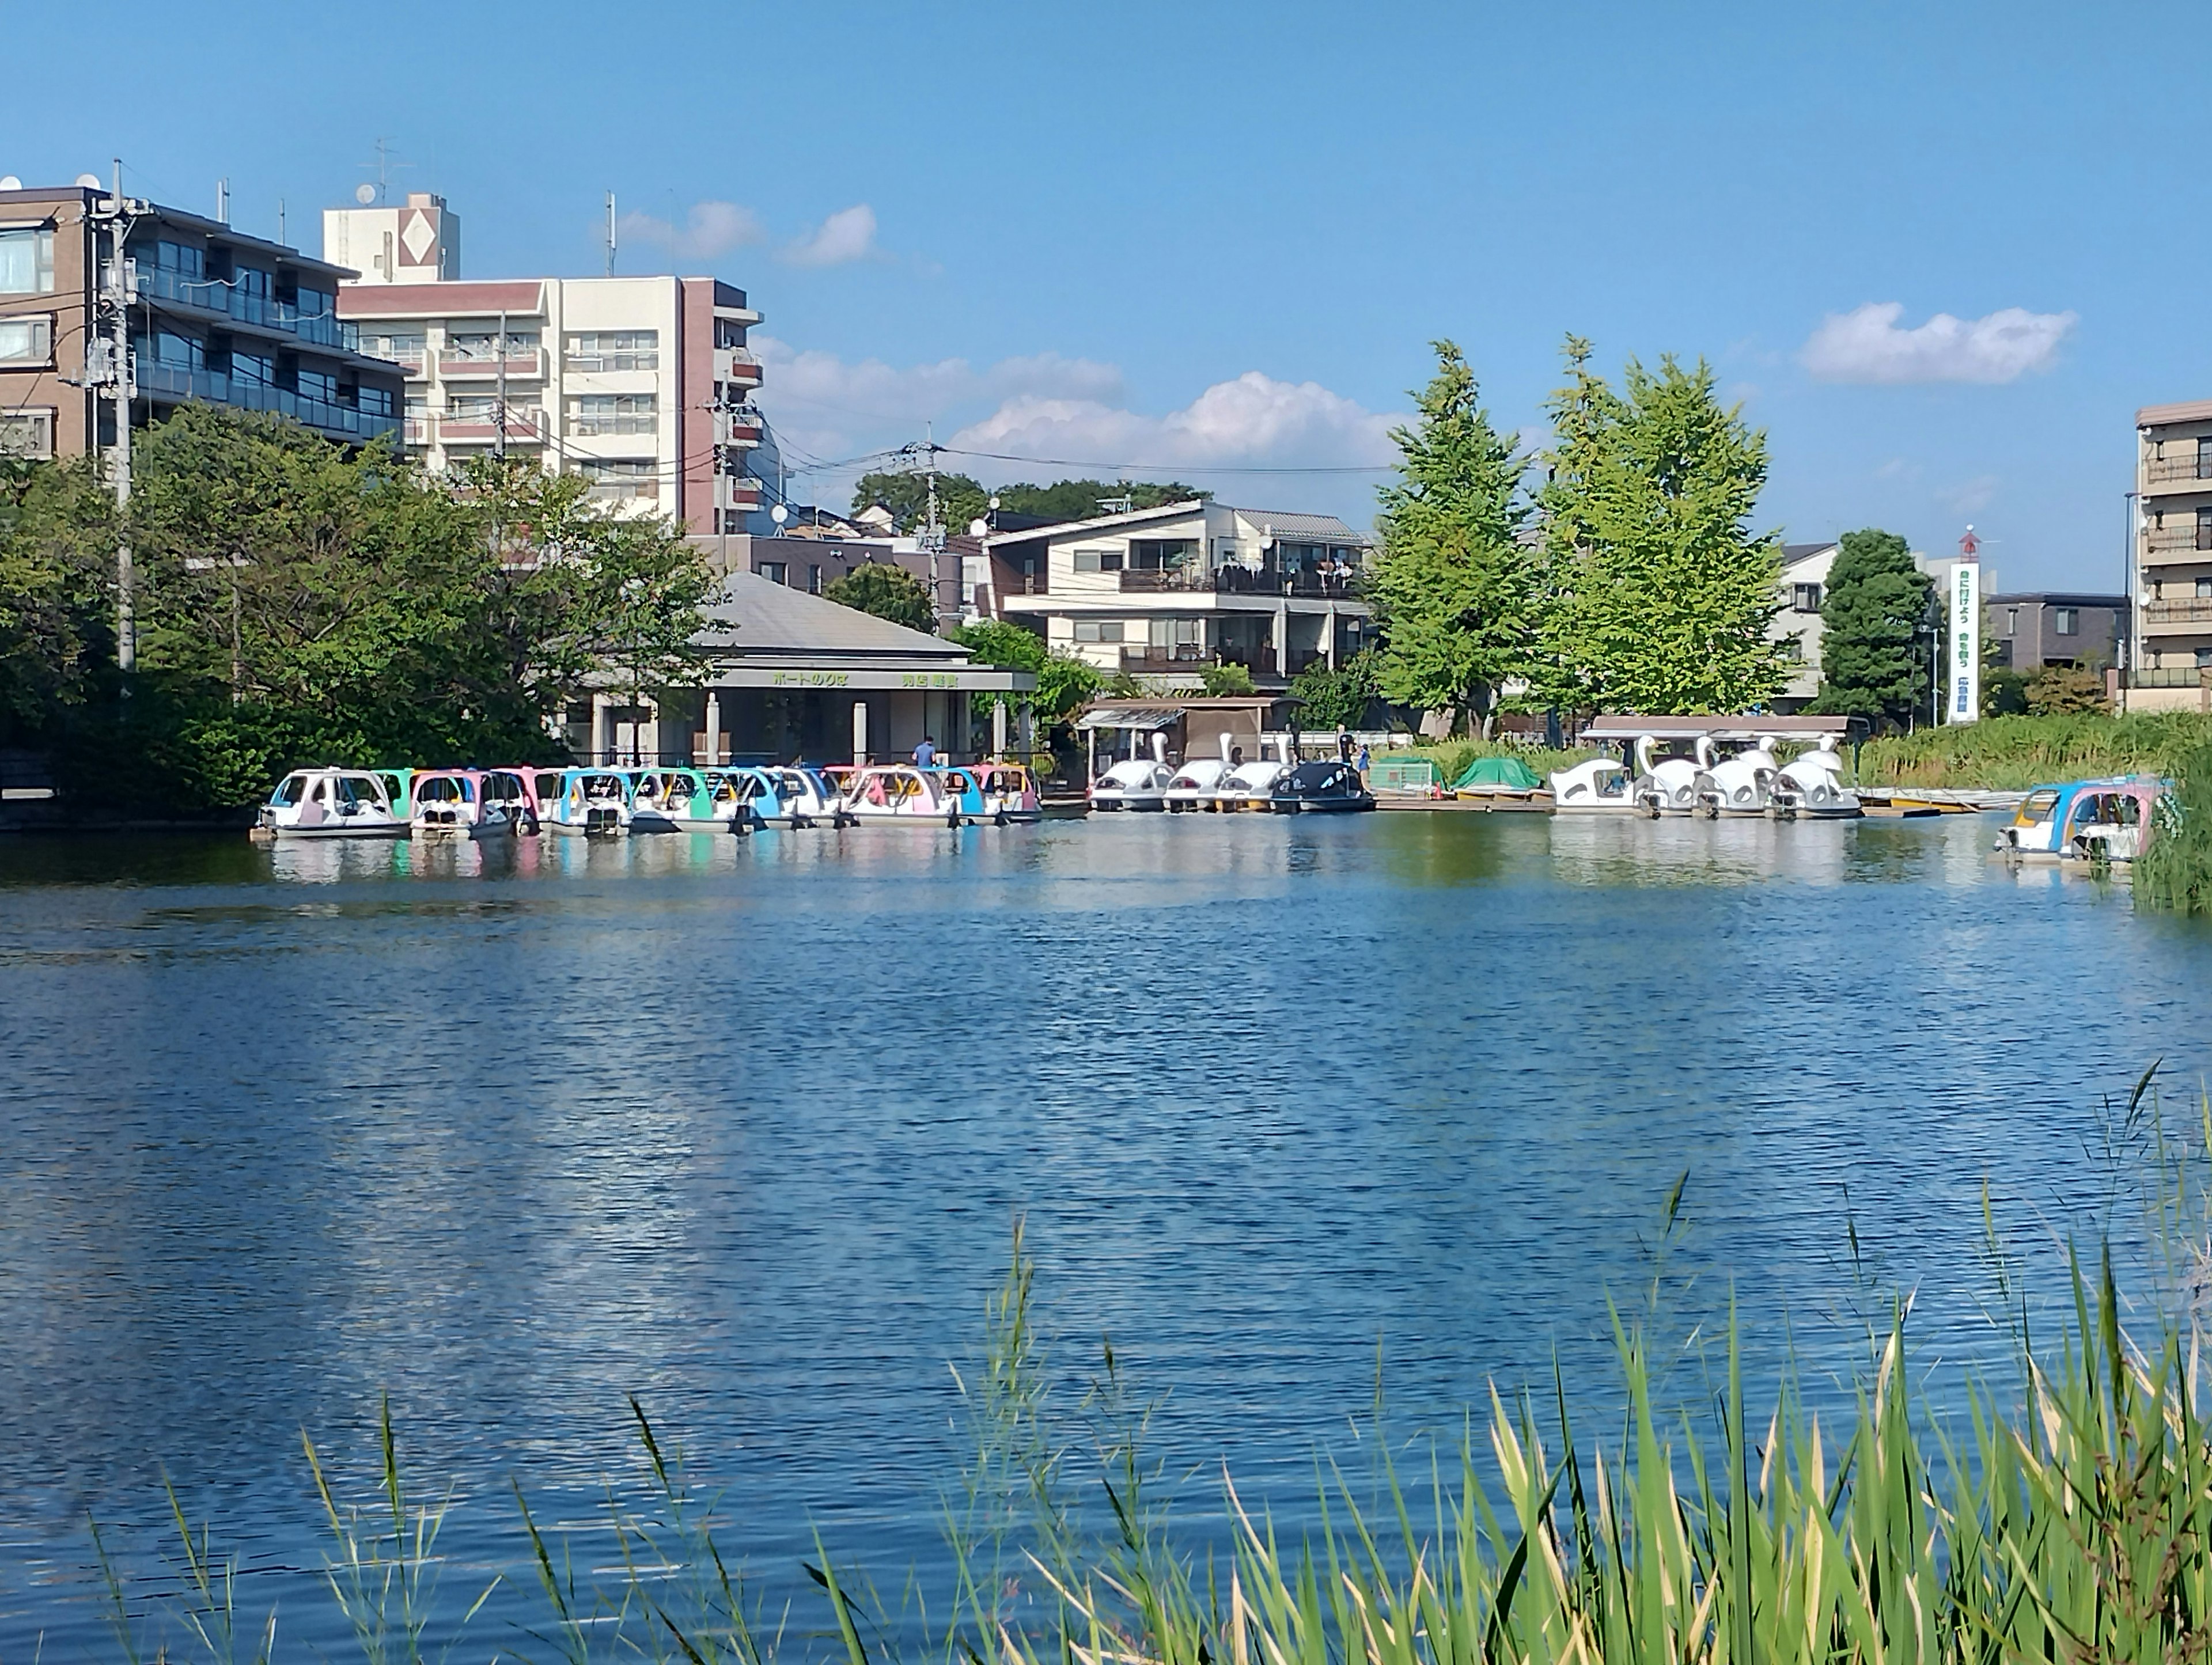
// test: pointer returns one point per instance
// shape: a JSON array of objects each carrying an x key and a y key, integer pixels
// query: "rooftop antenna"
[
  {"x": 384, "y": 165},
  {"x": 610, "y": 234},
  {"x": 223, "y": 201},
  {"x": 280, "y": 219}
]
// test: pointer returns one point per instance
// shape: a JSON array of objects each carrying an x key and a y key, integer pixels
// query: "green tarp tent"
[{"x": 1498, "y": 774}]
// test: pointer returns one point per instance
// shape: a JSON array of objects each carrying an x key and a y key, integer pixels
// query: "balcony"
[
  {"x": 747, "y": 431},
  {"x": 515, "y": 367},
  {"x": 2195, "y": 615},
  {"x": 172, "y": 381},
  {"x": 1239, "y": 580},
  {"x": 2171, "y": 676},
  {"x": 524, "y": 426},
  {"x": 225, "y": 299},
  {"x": 1259, "y": 661},
  {"x": 2191, "y": 473},
  {"x": 1154, "y": 661}
]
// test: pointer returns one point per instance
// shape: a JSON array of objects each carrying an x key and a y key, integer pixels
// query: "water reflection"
[{"x": 514, "y": 1129}]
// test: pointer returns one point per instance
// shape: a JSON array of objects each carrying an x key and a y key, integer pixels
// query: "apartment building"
[
  {"x": 1163, "y": 592},
  {"x": 2031, "y": 629},
  {"x": 641, "y": 385},
  {"x": 2172, "y": 638},
  {"x": 1804, "y": 586},
  {"x": 217, "y": 316}
]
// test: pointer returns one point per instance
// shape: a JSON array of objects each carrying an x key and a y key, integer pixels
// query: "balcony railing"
[
  {"x": 2178, "y": 544},
  {"x": 2171, "y": 676},
  {"x": 1188, "y": 656},
  {"x": 516, "y": 366},
  {"x": 1238, "y": 580},
  {"x": 1259, "y": 661},
  {"x": 213, "y": 387},
  {"x": 526, "y": 425},
  {"x": 2161, "y": 469},
  {"x": 220, "y": 296},
  {"x": 2197, "y": 612}
]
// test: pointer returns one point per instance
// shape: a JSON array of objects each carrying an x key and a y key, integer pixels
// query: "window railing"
[
  {"x": 586, "y": 426},
  {"x": 523, "y": 422},
  {"x": 2183, "y": 541},
  {"x": 2183, "y": 676},
  {"x": 646, "y": 358},
  {"x": 2180, "y": 468},
  {"x": 216, "y": 295}
]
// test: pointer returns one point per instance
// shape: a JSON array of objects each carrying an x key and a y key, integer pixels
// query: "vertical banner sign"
[{"x": 1965, "y": 690}]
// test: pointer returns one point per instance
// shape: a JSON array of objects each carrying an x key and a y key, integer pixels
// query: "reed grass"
[
  {"x": 2064, "y": 1517},
  {"x": 2011, "y": 754},
  {"x": 2175, "y": 870}
]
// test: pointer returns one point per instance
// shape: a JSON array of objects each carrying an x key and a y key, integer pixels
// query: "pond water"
[{"x": 1292, "y": 1105}]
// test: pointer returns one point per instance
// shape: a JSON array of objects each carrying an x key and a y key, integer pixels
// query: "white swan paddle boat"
[
  {"x": 1811, "y": 787},
  {"x": 1670, "y": 786},
  {"x": 1138, "y": 783},
  {"x": 331, "y": 803},
  {"x": 1250, "y": 785},
  {"x": 1602, "y": 785},
  {"x": 1196, "y": 785},
  {"x": 1740, "y": 785}
]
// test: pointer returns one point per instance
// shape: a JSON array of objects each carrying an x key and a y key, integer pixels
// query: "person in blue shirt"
[{"x": 925, "y": 755}]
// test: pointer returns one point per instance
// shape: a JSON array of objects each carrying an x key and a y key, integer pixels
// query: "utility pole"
[
  {"x": 108, "y": 369},
  {"x": 499, "y": 346}
]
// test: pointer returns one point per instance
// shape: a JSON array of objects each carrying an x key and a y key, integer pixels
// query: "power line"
[{"x": 1177, "y": 468}]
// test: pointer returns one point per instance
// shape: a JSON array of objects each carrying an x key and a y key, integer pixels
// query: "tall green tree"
[
  {"x": 960, "y": 499},
  {"x": 1456, "y": 584},
  {"x": 1336, "y": 698},
  {"x": 1665, "y": 604},
  {"x": 886, "y": 591},
  {"x": 1084, "y": 499},
  {"x": 1872, "y": 662},
  {"x": 57, "y": 594},
  {"x": 1586, "y": 415}
]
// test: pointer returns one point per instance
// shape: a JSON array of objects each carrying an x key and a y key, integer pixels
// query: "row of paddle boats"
[
  {"x": 611, "y": 803},
  {"x": 1224, "y": 785},
  {"x": 1747, "y": 782}
]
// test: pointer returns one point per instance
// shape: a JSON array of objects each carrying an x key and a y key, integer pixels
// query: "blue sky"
[{"x": 1209, "y": 235}]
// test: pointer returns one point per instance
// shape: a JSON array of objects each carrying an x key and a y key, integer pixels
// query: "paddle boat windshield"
[
  {"x": 450, "y": 803},
  {"x": 1250, "y": 785},
  {"x": 1603, "y": 785},
  {"x": 590, "y": 802},
  {"x": 331, "y": 803},
  {"x": 676, "y": 799},
  {"x": 795, "y": 795},
  {"x": 513, "y": 792}
]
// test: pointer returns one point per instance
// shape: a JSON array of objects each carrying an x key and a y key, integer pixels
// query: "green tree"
[
  {"x": 1081, "y": 500},
  {"x": 2057, "y": 690},
  {"x": 56, "y": 596},
  {"x": 1666, "y": 607},
  {"x": 1871, "y": 662},
  {"x": 1455, "y": 585},
  {"x": 1225, "y": 681},
  {"x": 1338, "y": 698},
  {"x": 886, "y": 591},
  {"x": 960, "y": 499},
  {"x": 1586, "y": 415}
]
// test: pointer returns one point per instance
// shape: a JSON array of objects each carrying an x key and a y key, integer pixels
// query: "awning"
[
  {"x": 1745, "y": 727},
  {"x": 961, "y": 679},
  {"x": 1146, "y": 717}
]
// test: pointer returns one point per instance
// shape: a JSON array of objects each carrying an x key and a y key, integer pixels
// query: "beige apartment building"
[
  {"x": 641, "y": 385},
  {"x": 2171, "y": 653}
]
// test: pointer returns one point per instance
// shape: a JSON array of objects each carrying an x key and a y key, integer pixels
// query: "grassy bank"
[
  {"x": 2013, "y": 753},
  {"x": 2175, "y": 873}
]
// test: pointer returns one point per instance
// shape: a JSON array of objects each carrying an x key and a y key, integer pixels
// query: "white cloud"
[
  {"x": 1252, "y": 420},
  {"x": 1866, "y": 345},
  {"x": 1970, "y": 496},
  {"x": 709, "y": 230},
  {"x": 848, "y": 234}
]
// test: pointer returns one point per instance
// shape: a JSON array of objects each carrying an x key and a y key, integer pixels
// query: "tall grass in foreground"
[
  {"x": 2175, "y": 872},
  {"x": 2010, "y": 754}
]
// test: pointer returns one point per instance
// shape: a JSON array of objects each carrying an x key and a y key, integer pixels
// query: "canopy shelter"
[{"x": 1145, "y": 717}]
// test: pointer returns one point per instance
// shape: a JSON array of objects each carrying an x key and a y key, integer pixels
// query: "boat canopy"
[
  {"x": 1751, "y": 727},
  {"x": 1507, "y": 772},
  {"x": 1146, "y": 717}
]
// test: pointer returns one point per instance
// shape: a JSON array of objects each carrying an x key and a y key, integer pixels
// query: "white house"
[
  {"x": 1165, "y": 591},
  {"x": 1804, "y": 585}
]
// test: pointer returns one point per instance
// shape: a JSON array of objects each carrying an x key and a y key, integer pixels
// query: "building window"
[
  {"x": 27, "y": 434},
  {"x": 614, "y": 350},
  {"x": 2204, "y": 589},
  {"x": 2204, "y": 659},
  {"x": 729, "y": 332},
  {"x": 26, "y": 340},
  {"x": 182, "y": 258},
  {"x": 2066, "y": 621},
  {"x": 1098, "y": 561},
  {"x": 1098, "y": 629},
  {"x": 2012, "y": 620},
  {"x": 26, "y": 261},
  {"x": 1793, "y": 649},
  {"x": 814, "y": 580},
  {"x": 258, "y": 369},
  {"x": 317, "y": 385},
  {"x": 622, "y": 481},
  {"x": 593, "y": 414},
  {"x": 403, "y": 349},
  {"x": 775, "y": 572},
  {"x": 2204, "y": 529},
  {"x": 377, "y": 401},
  {"x": 1805, "y": 597},
  {"x": 2204, "y": 459},
  {"x": 472, "y": 407}
]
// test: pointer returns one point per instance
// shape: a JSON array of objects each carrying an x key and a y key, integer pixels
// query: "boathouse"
[{"x": 790, "y": 676}]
